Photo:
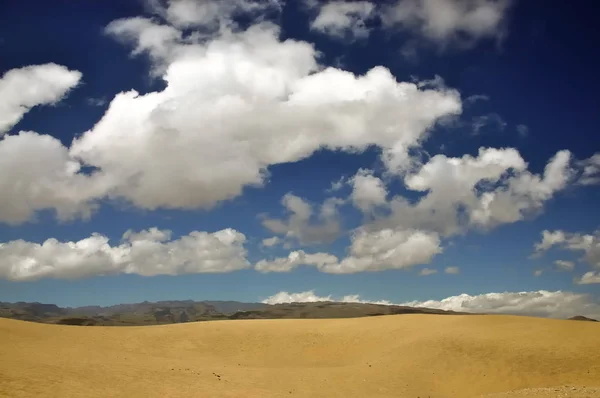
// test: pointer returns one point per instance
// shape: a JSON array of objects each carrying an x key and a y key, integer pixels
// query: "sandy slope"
[{"x": 390, "y": 356}]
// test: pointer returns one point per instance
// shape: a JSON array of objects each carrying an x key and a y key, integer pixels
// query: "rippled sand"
[{"x": 388, "y": 356}]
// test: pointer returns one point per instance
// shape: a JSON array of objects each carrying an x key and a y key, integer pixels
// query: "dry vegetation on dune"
[{"x": 388, "y": 356}]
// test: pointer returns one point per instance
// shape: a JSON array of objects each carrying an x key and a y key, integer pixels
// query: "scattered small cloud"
[
  {"x": 299, "y": 225},
  {"x": 96, "y": 101},
  {"x": 523, "y": 130},
  {"x": 457, "y": 24},
  {"x": 538, "y": 272},
  {"x": 491, "y": 121},
  {"x": 427, "y": 271},
  {"x": 589, "y": 278},
  {"x": 452, "y": 270},
  {"x": 337, "y": 185},
  {"x": 564, "y": 265},
  {"x": 368, "y": 191},
  {"x": 471, "y": 99},
  {"x": 270, "y": 242},
  {"x": 590, "y": 174},
  {"x": 345, "y": 20},
  {"x": 311, "y": 297},
  {"x": 588, "y": 244},
  {"x": 409, "y": 51}
]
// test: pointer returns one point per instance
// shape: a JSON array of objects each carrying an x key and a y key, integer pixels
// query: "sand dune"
[{"x": 388, "y": 356}]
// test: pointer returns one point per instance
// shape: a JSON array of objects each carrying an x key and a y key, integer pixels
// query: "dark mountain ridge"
[
  {"x": 582, "y": 318},
  {"x": 144, "y": 313},
  {"x": 165, "y": 312},
  {"x": 180, "y": 311}
]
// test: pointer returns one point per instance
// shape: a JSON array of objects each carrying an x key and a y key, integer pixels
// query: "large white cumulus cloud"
[
  {"x": 148, "y": 253},
  {"x": 239, "y": 100},
  {"x": 239, "y": 103},
  {"x": 235, "y": 102}
]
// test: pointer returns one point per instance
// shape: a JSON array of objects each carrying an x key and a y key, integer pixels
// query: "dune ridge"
[{"x": 387, "y": 356}]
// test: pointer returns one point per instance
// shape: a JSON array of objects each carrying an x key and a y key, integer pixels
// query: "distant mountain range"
[
  {"x": 166, "y": 312},
  {"x": 582, "y": 318}
]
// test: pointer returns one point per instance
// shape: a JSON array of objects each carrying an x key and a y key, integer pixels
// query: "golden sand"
[{"x": 388, "y": 356}]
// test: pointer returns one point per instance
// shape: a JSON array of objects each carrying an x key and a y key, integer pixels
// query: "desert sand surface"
[{"x": 386, "y": 356}]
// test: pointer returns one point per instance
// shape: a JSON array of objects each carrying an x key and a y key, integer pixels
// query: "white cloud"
[
  {"x": 302, "y": 297},
  {"x": 311, "y": 297},
  {"x": 341, "y": 19},
  {"x": 476, "y": 97},
  {"x": 368, "y": 191},
  {"x": 454, "y": 22},
  {"x": 148, "y": 253},
  {"x": 549, "y": 239},
  {"x": 452, "y": 270},
  {"x": 152, "y": 234},
  {"x": 24, "y": 88},
  {"x": 235, "y": 103},
  {"x": 300, "y": 226},
  {"x": 492, "y": 121},
  {"x": 38, "y": 173},
  {"x": 295, "y": 259},
  {"x": 538, "y": 272},
  {"x": 523, "y": 130},
  {"x": 565, "y": 265},
  {"x": 589, "y": 278},
  {"x": 96, "y": 101},
  {"x": 589, "y": 244},
  {"x": 238, "y": 101},
  {"x": 524, "y": 193},
  {"x": 427, "y": 271},
  {"x": 458, "y": 23},
  {"x": 388, "y": 249},
  {"x": 209, "y": 14},
  {"x": 541, "y": 303},
  {"x": 590, "y": 170},
  {"x": 206, "y": 18},
  {"x": 451, "y": 183},
  {"x": 369, "y": 251},
  {"x": 337, "y": 185},
  {"x": 482, "y": 192},
  {"x": 205, "y": 136},
  {"x": 270, "y": 242}
]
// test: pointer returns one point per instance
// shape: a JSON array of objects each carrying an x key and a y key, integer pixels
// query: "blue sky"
[{"x": 433, "y": 124}]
